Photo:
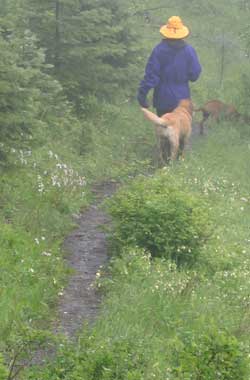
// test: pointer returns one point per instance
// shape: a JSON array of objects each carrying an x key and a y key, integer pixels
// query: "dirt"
[{"x": 87, "y": 251}]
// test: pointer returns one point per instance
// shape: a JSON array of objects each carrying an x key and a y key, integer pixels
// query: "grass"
[
  {"x": 41, "y": 188},
  {"x": 153, "y": 312},
  {"x": 156, "y": 316}
]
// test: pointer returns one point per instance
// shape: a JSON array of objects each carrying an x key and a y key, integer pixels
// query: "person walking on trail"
[{"x": 172, "y": 64}]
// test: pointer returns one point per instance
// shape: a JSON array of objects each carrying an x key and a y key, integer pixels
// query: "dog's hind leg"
[
  {"x": 174, "y": 151},
  {"x": 174, "y": 145},
  {"x": 182, "y": 146}
]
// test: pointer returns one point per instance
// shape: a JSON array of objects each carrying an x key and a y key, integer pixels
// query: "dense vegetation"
[{"x": 174, "y": 309}]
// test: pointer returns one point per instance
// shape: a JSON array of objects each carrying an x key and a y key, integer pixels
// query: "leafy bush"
[
  {"x": 213, "y": 356},
  {"x": 158, "y": 215}
]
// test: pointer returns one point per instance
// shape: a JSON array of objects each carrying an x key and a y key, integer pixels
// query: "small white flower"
[
  {"x": 48, "y": 254},
  {"x": 243, "y": 199}
]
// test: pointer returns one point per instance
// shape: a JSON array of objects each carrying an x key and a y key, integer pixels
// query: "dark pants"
[{"x": 162, "y": 112}]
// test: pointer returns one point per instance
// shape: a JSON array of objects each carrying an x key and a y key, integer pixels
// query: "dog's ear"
[{"x": 153, "y": 117}]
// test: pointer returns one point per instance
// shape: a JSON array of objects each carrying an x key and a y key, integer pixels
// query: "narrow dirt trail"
[{"x": 87, "y": 251}]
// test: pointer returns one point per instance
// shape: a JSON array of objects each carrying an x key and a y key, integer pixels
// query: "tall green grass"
[
  {"x": 42, "y": 188},
  {"x": 158, "y": 321}
]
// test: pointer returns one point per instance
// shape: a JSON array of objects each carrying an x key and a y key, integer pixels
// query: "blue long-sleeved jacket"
[{"x": 169, "y": 69}]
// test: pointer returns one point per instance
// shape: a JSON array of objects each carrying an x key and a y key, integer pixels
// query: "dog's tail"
[{"x": 154, "y": 118}]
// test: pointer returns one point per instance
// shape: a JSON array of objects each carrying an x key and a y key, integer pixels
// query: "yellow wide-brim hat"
[{"x": 174, "y": 29}]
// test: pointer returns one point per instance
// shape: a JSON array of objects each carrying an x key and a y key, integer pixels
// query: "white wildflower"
[{"x": 48, "y": 254}]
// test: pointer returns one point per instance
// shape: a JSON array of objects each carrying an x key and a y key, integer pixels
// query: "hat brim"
[{"x": 175, "y": 34}]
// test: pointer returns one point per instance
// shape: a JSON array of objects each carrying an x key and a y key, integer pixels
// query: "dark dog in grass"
[
  {"x": 172, "y": 130},
  {"x": 216, "y": 109}
]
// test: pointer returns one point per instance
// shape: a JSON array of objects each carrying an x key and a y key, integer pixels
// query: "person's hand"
[{"x": 142, "y": 101}]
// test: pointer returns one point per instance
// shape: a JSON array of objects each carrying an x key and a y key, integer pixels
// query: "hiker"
[{"x": 172, "y": 64}]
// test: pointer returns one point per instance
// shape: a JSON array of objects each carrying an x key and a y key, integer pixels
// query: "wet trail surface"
[{"x": 87, "y": 251}]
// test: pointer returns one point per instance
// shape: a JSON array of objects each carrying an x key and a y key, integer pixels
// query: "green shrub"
[
  {"x": 156, "y": 214},
  {"x": 213, "y": 356}
]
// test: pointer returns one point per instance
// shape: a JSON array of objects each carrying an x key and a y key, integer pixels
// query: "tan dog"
[
  {"x": 172, "y": 130},
  {"x": 216, "y": 109}
]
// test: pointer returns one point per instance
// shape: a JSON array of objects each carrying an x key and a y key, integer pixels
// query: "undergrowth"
[
  {"x": 43, "y": 187},
  {"x": 168, "y": 322},
  {"x": 161, "y": 216}
]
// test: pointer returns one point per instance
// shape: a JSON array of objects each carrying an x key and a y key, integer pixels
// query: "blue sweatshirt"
[{"x": 170, "y": 67}]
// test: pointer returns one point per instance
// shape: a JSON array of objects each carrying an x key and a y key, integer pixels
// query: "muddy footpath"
[{"x": 86, "y": 249}]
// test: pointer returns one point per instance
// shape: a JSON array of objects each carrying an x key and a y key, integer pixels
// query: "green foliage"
[
  {"x": 38, "y": 196},
  {"x": 3, "y": 370},
  {"x": 23, "y": 345},
  {"x": 111, "y": 133},
  {"x": 93, "y": 45},
  {"x": 211, "y": 356},
  {"x": 23, "y": 295},
  {"x": 43, "y": 186},
  {"x": 30, "y": 99},
  {"x": 157, "y": 321},
  {"x": 111, "y": 361},
  {"x": 17, "y": 96},
  {"x": 159, "y": 216},
  {"x": 182, "y": 324},
  {"x": 171, "y": 332}
]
